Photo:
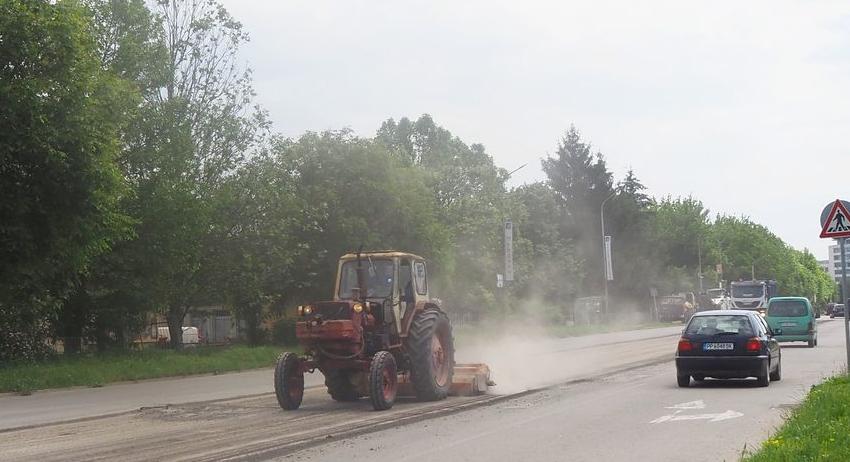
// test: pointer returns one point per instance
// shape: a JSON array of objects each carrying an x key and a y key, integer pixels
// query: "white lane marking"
[
  {"x": 729, "y": 414},
  {"x": 698, "y": 404}
]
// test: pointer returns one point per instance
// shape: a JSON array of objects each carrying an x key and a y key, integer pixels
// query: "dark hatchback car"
[{"x": 726, "y": 344}]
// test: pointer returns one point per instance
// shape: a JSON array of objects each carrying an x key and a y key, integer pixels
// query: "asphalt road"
[
  {"x": 256, "y": 428},
  {"x": 637, "y": 415},
  {"x": 44, "y": 407},
  {"x": 591, "y": 413}
]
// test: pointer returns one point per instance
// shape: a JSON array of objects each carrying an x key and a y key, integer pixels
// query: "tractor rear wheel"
[
  {"x": 289, "y": 381},
  {"x": 383, "y": 381},
  {"x": 432, "y": 355},
  {"x": 339, "y": 385}
]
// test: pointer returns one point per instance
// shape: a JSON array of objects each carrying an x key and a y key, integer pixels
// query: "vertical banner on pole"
[
  {"x": 609, "y": 267},
  {"x": 509, "y": 251}
]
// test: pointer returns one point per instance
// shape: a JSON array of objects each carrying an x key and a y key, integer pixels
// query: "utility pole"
[
  {"x": 844, "y": 299},
  {"x": 699, "y": 262},
  {"x": 604, "y": 250}
]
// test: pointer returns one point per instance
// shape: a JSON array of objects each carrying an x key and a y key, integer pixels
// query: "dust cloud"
[{"x": 526, "y": 352}]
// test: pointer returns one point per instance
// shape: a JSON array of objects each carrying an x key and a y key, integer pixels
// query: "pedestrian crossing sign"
[{"x": 837, "y": 223}]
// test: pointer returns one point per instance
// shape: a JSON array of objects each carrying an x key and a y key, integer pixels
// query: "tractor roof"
[{"x": 381, "y": 254}]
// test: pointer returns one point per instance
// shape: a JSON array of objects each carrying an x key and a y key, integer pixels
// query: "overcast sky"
[{"x": 744, "y": 105}]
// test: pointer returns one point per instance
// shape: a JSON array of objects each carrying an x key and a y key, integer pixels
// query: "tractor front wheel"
[
  {"x": 289, "y": 381},
  {"x": 432, "y": 355},
  {"x": 383, "y": 381}
]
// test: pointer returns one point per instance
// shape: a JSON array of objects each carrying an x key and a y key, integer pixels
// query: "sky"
[{"x": 743, "y": 105}]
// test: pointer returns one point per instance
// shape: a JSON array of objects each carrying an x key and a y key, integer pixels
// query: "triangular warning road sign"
[{"x": 837, "y": 223}]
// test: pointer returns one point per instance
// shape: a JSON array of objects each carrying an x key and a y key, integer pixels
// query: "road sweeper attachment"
[{"x": 382, "y": 335}]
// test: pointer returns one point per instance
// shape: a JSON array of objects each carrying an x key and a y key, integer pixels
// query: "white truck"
[{"x": 752, "y": 295}]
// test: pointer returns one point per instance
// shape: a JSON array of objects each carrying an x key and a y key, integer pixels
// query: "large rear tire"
[
  {"x": 383, "y": 381},
  {"x": 430, "y": 346},
  {"x": 288, "y": 381},
  {"x": 339, "y": 385},
  {"x": 776, "y": 375},
  {"x": 764, "y": 378}
]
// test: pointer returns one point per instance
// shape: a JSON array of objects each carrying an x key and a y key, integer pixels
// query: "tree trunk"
[
  {"x": 175, "y": 325},
  {"x": 72, "y": 320}
]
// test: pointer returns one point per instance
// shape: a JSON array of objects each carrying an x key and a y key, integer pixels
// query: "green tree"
[
  {"x": 582, "y": 182},
  {"x": 60, "y": 184},
  {"x": 472, "y": 204},
  {"x": 130, "y": 47},
  {"x": 193, "y": 133},
  {"x": 351, "y": 192}
]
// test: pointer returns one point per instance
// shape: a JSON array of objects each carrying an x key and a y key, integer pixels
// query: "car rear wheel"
[
  {"x": 776, "y": 375},
  {"x": 764, "y": 377},
  {"x": 811, "y": 343},
  {"x": 684, "y": 380}
]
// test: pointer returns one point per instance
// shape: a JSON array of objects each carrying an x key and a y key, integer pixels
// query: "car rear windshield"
[
  {"x": 787, "y": 309},
  {"x": 717, "y": 324}
]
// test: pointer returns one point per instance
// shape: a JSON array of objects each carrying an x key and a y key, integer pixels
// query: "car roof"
[
  {"x": 801, "y": 299},
  {"x": 725, "y": 312},
  {"x": 381, "y": 254}
]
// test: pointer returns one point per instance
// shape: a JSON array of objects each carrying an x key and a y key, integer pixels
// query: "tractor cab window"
[
  {"x": 379, "y": 278},
  {"x": 405, "y": 279},
  {"x": 421, "y": 279}
]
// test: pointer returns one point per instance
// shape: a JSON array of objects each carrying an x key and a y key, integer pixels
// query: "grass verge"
[
  {"x": 816, "y": 431},
  {"x": 100, "y": 369}
]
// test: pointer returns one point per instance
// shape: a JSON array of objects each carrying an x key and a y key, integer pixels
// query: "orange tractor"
[{"x": 382, "y": 335}]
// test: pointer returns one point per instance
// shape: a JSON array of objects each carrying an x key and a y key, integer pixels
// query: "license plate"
[
  {"x": 788, "y": 324},
  {"x": 718, "y": 346}
]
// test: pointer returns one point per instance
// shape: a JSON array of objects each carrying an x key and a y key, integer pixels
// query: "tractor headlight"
[
  {"x": 358, "y": 308},
  {"x": 308, "y": 309}
]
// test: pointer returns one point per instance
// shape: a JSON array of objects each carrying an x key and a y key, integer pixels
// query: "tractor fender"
[{"x": 421, "y": 305}]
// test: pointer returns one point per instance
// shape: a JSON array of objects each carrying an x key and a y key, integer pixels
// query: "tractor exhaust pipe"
[{"x": 363, "y": 290}]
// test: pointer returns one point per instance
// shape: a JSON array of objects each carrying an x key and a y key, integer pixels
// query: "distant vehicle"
[
  {"x": 727, "y": 344},
  {"x": 837, "y": 311},
  {"x": 793, "y": 319},
  {"x": 752, "y": 295},
  {"x": 190, "y": 335},
  {"x": 717, "y": 296},
  {"x": 676, "y": 307}
]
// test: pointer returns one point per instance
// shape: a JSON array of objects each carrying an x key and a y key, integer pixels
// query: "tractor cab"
[{"x": 397, "y": 281}]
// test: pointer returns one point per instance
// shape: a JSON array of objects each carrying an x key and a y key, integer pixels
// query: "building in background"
[{"x": 835, "y": 264}]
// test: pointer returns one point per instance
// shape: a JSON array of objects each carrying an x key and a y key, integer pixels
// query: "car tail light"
[
  {"x": 753, "y": 345},
  {"x": 811, "y": 327},
  {"x": 685, "y": 345}
]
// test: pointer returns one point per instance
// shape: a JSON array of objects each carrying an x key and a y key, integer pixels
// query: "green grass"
[
  {"x": 817, "y": 431},
  {"x": 99, "y": 369}
]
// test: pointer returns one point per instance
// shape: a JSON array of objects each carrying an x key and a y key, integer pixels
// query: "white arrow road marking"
[
  {"x": 729, "y": 414},
  {"x": 699, "y": 404}
]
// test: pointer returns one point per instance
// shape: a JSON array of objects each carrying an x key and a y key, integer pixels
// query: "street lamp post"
[{"x": 604, "y": 261}]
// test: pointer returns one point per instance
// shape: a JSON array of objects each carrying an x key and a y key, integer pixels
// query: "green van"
[{"x": 792, "y": 319}]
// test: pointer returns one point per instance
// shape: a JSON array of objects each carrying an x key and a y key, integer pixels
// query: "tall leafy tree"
[
  {"x": 194, "y": 132},
  {"x": 472, "y": 204},
  {"x": 582, "y": 182},
  {"x": 59, "y": 181}
]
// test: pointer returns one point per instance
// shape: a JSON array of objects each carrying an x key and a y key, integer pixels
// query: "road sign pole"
[{"x": 844, "y": 300}]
